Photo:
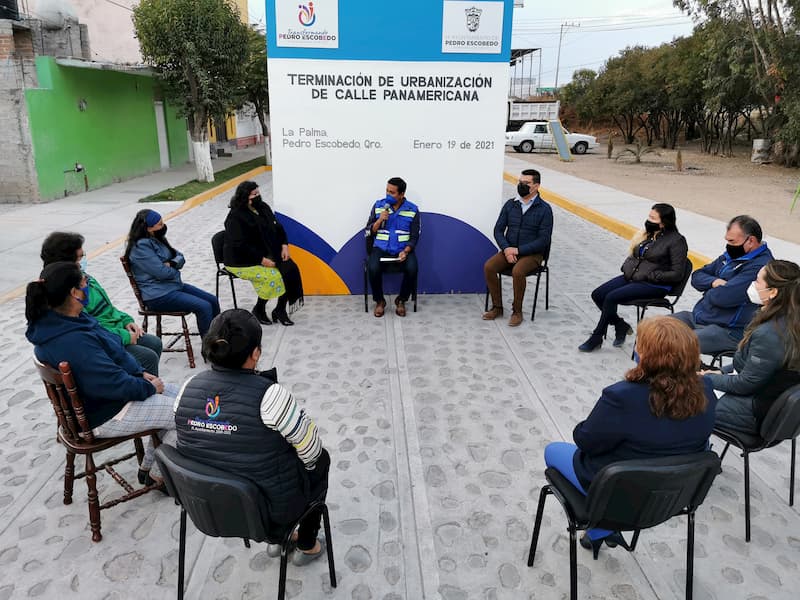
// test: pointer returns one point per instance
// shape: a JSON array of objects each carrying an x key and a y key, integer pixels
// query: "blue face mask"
[
  {"x": 636, "y": 357},
  {"x": 85, "y": 290},
  {"x": 84, "y": 263}
]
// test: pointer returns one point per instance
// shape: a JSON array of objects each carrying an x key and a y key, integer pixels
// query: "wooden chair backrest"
[
  {"x": 63, "y": 394},
  {"x": 126, "y": 265}
]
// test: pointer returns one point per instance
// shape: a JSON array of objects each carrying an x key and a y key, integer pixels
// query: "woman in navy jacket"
[
  {"x": 661, "y": 408},
  {"x": 656, "y": 262},
  {"x": 156, "y": 266}
]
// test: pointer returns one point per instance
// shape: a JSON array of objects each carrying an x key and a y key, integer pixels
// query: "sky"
[{"x": 594, "y": 32}]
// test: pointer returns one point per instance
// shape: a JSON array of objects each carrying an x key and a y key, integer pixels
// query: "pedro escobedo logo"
[
  {"x": 306, "y": 15},
  {"x": 473, "y": 18},
  {"x": 211, "y": 424},
  {"x": 309, "y": 31}
]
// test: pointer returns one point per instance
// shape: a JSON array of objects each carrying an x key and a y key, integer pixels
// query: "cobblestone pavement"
[{"x": 435, "y": 424}]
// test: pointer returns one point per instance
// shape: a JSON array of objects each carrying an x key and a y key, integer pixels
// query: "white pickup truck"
[{"x": 536, "y": 135}]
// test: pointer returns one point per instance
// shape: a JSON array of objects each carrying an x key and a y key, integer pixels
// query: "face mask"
[
  {"x": 257, "y": 201},
  {"x": 651, "y": 227},
  {"x": 753, "y": 295},
  {"x": 84, "y": 263},
  {"x": 85, "y": 290},
  {"x": 160, "y": 233},
  {"x": 523, "y": 189},
  {"x": 735, "y": 251}
]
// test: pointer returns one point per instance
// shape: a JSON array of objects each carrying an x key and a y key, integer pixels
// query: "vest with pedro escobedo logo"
[
  {"x": 218, "y": 421},
  {"x": 396, "y": 231}
]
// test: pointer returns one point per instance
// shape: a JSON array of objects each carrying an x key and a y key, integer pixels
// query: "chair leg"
[
  {"x": 538, "y": 523},
  {"x": 326, "y": 522},
  {"x": 69, "y": 477},
  {"x": 181, "y": 553},
  {"x": 282, "y": 577},
  {"x": 188, "y": 339},
  {"x": 573, "y": 563},
  {"x": 634, "y": 540},
  {"x": 486, "y": 301},
  {"x": 158, "y": 326},
  {"x": 547, "y": 289},
  {"x": 746, "y": 496},
  {"x": 246, "y": 542},
  {"x": 536, "y": 296},
  {"x": 233, "y": 292},
  {"x": 366, "y": 288},
  {"x": 137, "y": 442},
  {"x": 94, "y": 503},
  {"x": 724, "y": 450},
  {"x": 690, "y": 556},
  {"x": 144, "y": 324},
  {"x": 216, "y": 289},
  {"x": 791, "y": 473}
]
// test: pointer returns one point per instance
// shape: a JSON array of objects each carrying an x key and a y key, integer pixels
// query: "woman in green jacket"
[{"x": 144, "y": 347}]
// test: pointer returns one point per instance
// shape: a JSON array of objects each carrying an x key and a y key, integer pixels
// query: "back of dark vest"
[{"x": 219, "y": 423}]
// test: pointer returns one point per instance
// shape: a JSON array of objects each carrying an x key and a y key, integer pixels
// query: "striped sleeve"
[{"x": 280, "y": 412}]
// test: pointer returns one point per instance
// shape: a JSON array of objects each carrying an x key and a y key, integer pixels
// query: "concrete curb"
[
  {"x": 187, "y": 205},
  {"x": 611, "y": 224}
]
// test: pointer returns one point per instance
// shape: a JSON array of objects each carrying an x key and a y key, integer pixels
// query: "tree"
[
  {"x": 199, "y": 48},
  {"x": 577, "y": 93},
  {"x": 256, "y": 91}
]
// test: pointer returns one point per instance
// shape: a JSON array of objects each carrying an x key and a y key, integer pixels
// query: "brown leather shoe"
[
  {"x": 380, "y": 308},
  {"x": 400, "y": 309},
  {"x": 493, "y": 313},
  {"x": 515, "y": 320}
]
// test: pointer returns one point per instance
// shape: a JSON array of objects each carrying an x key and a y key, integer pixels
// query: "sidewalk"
[
  {"x": 436, "y": 425},
  {"x": 101, "y": 216}
]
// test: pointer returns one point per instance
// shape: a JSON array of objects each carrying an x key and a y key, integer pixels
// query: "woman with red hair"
[{"x": 661, "y": 408}]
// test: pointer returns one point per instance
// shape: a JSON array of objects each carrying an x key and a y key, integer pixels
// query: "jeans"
[
  {"x": 205, "y": 306},
  {"x": 558, "y": 455},
  {"x": 375, "y": 269},
  {"x": 147, "y": 352},
  {"x": 713, "y": 338},
  {"x": 616, "y": 291}
]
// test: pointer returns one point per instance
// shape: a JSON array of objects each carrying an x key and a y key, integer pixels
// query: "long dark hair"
[
  {"x": 139, "y": 231},
  {"x": 241, "y": 196},
  {"x": 55, "y": 283},
  {"x": 783, "y": 276},
  {"x": 670, "y": 356},
  {"x": 667, "y": 214}
]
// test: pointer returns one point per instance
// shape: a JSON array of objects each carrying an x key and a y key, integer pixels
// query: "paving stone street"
[{"x": 435, "y": 424}]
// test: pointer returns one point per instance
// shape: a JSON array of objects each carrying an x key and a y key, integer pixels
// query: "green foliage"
[
  {"x": 199, "y": 48},
  {"x": 637, "y": 151},
  {"x": 256, "y": 90},
  {"x": 194, "y": 187},
  {"x": 577, "y": 93}
]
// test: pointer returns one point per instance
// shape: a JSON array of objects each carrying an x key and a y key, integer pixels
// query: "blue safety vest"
[{"x": 396, "y": 231}]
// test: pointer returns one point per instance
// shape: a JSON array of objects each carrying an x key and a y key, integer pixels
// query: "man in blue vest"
[
  {"x": 720, "y": 316},
  {"x": 394, "y": 226}
]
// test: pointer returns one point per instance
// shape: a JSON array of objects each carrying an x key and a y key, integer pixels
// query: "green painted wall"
[
  {"x": 176, "y": 136},
  {"x": 114, "y": 138}
]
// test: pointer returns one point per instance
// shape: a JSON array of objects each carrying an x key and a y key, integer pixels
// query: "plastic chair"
[
  {"x": 146, "y": 313},
  {"x": 782, "y": 422},
  {"x": 663, "y": 302},
  {"x": 217, "y": 245},
  {"x": 76, "y": 436},
  {"x": 630, "y": 496},
  {"x": 221, "y": 504},
  {"x": 390, "y": 267},
  {"x": 543, "y": 269}
]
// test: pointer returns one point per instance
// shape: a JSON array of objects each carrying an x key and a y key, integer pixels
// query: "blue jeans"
[
  {"x": 713, "y": 338},
  {"x": 616, "y": 291},
  {"x": 147, "y": 352},
  {"x": 558, "y": 455},
  {"x": 191, "y": 299}
]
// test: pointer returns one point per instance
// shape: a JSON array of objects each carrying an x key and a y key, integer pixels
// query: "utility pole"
[{"x": 561, "y": 37}]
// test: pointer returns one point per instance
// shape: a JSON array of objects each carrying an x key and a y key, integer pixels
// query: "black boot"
[
  {"x": 279, "y": 314},
  {"x": 260, "y": 312},
  {"x": 621, "y": 331},
  {"x": 593, "y": 343}
]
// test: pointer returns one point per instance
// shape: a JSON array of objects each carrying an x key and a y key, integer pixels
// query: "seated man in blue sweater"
[
  {"x": 523, "y": 231},
  {"x": 720, "y": 316}
]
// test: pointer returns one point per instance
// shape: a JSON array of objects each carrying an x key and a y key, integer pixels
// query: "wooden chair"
[
  {"x": 76, "y": 436},
  {"x": 146, "y": 313}
]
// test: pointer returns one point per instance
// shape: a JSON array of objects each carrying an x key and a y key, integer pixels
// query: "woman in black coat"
[
  {"x": 257, "y": 249},
  {"x": 656, "y": 262}
]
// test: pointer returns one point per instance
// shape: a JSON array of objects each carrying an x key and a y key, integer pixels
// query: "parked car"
[{"x": 536, "y": 134}]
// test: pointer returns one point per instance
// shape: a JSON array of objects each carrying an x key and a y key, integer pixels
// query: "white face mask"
[
  {"x": 753, "y": 295},
  {"x": 84, "y": 263}
]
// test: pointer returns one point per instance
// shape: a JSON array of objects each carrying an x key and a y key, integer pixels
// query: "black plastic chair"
[
  {"x": 663, "y": 302},
  {"x": 542, "y": 270},
  {"x": 223, "y": 505},
  {"x": 630, "y": 496},
  {"x": 390, "y": 267},
  {"x": 217, "y": 245},
  {"x": 781, "y": 423}
]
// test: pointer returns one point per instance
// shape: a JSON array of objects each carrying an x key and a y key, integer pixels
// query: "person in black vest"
[
  {"x": 237, "y": 419},
  {"x": 656, "y": 262}
]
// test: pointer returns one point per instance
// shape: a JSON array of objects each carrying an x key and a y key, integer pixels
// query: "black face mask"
[
  {"x": 735, "y": 251},
  {"x": 523, "y": 189},
  {"x": 651, "y": 227},
  {"x": 160, "y": 233},
  {"x": 257, "y": 201}
]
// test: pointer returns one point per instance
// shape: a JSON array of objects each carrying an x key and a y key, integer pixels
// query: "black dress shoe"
[
  {"x": 281, "y": 317},
  {"x": 593, "y": 343},
  {"x": 612, "y": 541},
  {"x": 260, "y": 313}
]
